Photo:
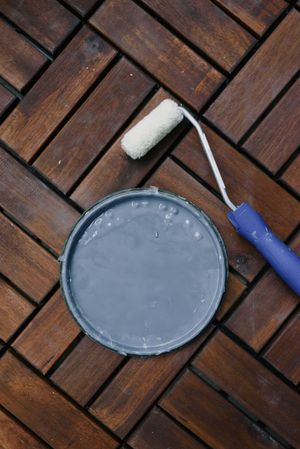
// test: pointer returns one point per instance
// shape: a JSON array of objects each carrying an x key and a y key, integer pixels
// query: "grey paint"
[{"x": 143, "y": 271}]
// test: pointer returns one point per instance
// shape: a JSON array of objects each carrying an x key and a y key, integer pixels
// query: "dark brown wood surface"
[
  {"x": 75, "y": 76},
  {"x": 19, "y": 60},
  {"x": 46, "y": 21}
]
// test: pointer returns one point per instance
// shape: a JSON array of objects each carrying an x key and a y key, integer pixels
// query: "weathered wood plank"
[
  {"x": 264, "y": 310},
  {"x": 94, "y": 124},
  {"x": 136, "y": 387},
  {"x": 54, "y": 419},
  {"x": 19, "y": 61},
  {"x": 260, "y": 80},
  {"x": 14, "y": 309},
  {"x": 6, "y": 98},
  {"x": 278, "y": 136},
  {"x": 126, "y": 172},
  {"x": 48, "y": 334},
  {"x": 13, "y": 436},
  {"x": 207, "y": 27},
  {"x": 159, "y": 51},
  {"x": 81, "y": 6},
  {"x": 24, "y": 262},
  {"x": 284, "y": 352},
  {"x": 160, "y": 432},
  {"x": 33, "y": 204},
  {"x": 86, "y": 368},
  {"x": 258, "y": 15},
  {"x": 233, "y": 291},
  {"x": 46, "y": 21},
  {"x": 291, "y": 175},
  {"x": 259, "y": 391},
  {"x": 206, "y": 413},
  {"x": 56, "y": 92}
]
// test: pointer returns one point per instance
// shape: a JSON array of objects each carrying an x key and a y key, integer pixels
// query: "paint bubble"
[
  {"x": 173, "y": 210},
  {"x": 109, "y": 213},
  {"x": 198, "y": 235},
  {"x": 135, "y": 204},
  {"x": 162, "y": 206}
]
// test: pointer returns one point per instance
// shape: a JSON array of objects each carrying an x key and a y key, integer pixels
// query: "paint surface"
[{"x": 145, "y": 272}]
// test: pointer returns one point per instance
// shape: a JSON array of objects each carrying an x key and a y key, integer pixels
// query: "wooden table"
[{"x": 75, "y": 75}]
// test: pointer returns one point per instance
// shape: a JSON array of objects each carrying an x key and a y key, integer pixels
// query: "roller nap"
[{"x": 152, "y": 129}]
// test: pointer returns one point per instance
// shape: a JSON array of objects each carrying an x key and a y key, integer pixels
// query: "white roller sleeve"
[{"x": 151, "y": 129}]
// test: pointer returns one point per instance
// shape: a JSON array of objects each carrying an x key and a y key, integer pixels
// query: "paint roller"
[{"x": 247, "y": 221}]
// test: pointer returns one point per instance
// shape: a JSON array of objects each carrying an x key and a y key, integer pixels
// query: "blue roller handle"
[{"x": 283, "y": 259}]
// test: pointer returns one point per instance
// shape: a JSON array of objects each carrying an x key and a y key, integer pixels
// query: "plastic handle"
[{"x": 284, "y": 261}]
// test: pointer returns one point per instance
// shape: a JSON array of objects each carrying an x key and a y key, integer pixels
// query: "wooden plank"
[
  {"x": 127, "y": 172},
  {"x": 14, "y": 309},
  {"x": 241, "y": 255},
  {"x": 104, "y": 112},
  {"x": 86, "y": 368},
  {"x": 259, "y": 81},
  {"x": 291, "y": 175},
  {"x": 33, "y": 204},
  {"x": 19, "y": 61},
  {"x": 264, "y": 310},
  {"x": 46, "y": 21},
  {"x": 278, "y": 136},
  {"x": 56, "y": 92},
  {"x": 234, "y": 290},
  {"x": 207, "y": 27},
  {"x": 244, "y": 182},
  {"x": 81, "y": 6},
  {"x": 137, "y": 386},
  {"x": 13, "y": 436},
  {"x": 24, "y": 262},
  {"x": 258, "y": 15},
  {"x": 160, "y": 432},
  {"x": 217, "y": 422},
  {"x": 159, "y": 51},
  {"x": 34, "y": 402},
  {"x": 48, "y": 334},
  {"x": 284, "y": 351},
  {"x": 6, "y": 99},
  {"x": 252, "y": 385}
]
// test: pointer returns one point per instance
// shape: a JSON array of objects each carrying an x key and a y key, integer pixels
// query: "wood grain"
[
  {"x": 48, "y": 334},
  {"x": 86, "y": 368},
  {"x": 19, "y": 61},
  {"x": 291, "y": 175},
  {"x": 207, "y": 27},
  {"x": 56, "y": 93},
  {"x": 259, "y": 81},
  {"x": 33, "y": 204},
  {"x": 54, "y": 419},
  {"x": 243, "y": 180},
  {"x": 284, "y": 354},
  {"x": 207, "y": 414},
  {"x": 94, "y": 124},
  {"x": 259, "y": 391},
  {"x": 24, "y": 262},
  {"x": 6, "y": 99},
  {"x": 241, "y": 255},
  {"x": 137, "y": 385},
  {"x": 14, "y": 436},
  {"x": 265, "y": 309},
  {"x": 46, "y": 21},
  {"x": 160, "y": 52},
  {"x": 127, "y": 172},
  {"x": 14, "y": 309},
  {"x": 81, "y": 6},
  {"x": 258, "y": 15},
  {"x": 159, "y": 432},
  {"x": 278, "y": 136},
  {"x": 234, "y": 289}
]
